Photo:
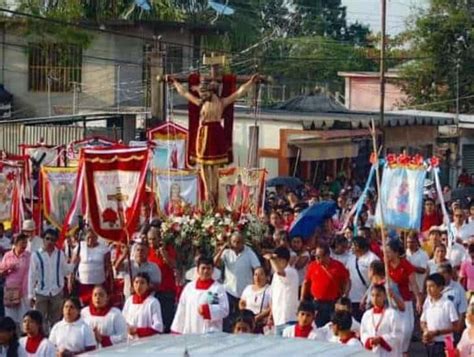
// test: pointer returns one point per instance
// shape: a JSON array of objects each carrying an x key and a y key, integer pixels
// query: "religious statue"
[{"x": 211, "y": 148}]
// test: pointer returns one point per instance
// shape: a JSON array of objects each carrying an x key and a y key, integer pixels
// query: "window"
[
  {"x": 57, "y": 64},
  {"x": 174, "y": 59}
]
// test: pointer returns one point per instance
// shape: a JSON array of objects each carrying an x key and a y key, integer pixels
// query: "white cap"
[{"x": 28, "y": 225}]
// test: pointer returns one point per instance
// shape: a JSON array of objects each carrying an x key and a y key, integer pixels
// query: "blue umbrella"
[
  {"x": 288, "y": 181},
  {"x": 312, "y": 218}
]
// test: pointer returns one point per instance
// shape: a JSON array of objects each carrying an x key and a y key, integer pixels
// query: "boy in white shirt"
[
  {"x": 439, "y": 318},
  {"x": 341, "y": 326},
  {"x": 305, "y": 327},
  {"x": 284, "y": 290}
]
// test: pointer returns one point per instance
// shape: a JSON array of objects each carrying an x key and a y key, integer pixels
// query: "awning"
[{"x": 317, "y": 149}]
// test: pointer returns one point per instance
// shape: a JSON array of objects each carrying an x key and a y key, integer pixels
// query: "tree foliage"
[{"x": 441, "y": 38}]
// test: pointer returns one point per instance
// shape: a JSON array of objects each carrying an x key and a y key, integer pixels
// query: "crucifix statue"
[
  {"x": 211, "y": 145},
  {"x": 119, "y": 197}
]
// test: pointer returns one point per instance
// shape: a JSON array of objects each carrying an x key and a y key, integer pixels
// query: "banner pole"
[{"x": 379, "y": 190}]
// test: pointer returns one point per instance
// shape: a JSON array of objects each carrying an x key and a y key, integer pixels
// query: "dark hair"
[
  {"x": 340, "y": 240},
  {"x": 143, "y": 275},
  {"x": 307, "y": 306},
  {"x": 379, "y": 287},
  {"x": 437, "y": 279},
  {"x": 2, "y": 225},
  {"x": 205, "y": 260},
  {"x": 471, "y": 248},
  {"x": 396, "y": 246},
  {"x": 343, "y": 320},
  {"x": 429, "y": 199},
  {"x": 288, "y": 209},
  {"x": 75, "y": 301},
  {"x": 345, "y": 301},
  {"x": 17, "y": 238},
  {"x": 52, "y": 232},
  {"x": 361, "y": 243},
  {"x": 446, "y": 267},
  {"x": 324, "y": 247},
  {"x": 8, "y": 325},
  {"x": 37, "y": 317},
  {"x": 156, "y": 223},
  {"x": 283, "y": 253},
  {"x": 377, "y": 267},
  {"x": 246, "y": 317}
]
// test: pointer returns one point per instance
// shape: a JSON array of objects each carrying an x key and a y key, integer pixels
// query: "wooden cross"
[{"x": 119, "y": 197}]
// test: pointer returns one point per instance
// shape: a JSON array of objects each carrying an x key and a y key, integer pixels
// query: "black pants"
[
  {"x": 435, "y": 349},
  {"x": 233, "y": 308},
  {"x": 324, "y": 311},
  {"x": 167, "y": 301}
]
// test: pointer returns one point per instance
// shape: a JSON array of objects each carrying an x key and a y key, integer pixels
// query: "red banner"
[{"x": 114, "y": 185}]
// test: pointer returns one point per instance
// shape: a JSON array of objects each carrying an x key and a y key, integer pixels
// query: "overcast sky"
[{"x": 368, "y": 12}]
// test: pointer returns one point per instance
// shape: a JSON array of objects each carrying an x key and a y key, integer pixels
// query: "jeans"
[
  {"x": 324, "y": 311},
  {"x": 167, "y": 301},
  {"x": 435, "y": 349}
]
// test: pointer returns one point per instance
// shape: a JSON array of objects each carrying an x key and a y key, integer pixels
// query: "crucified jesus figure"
[{"x": 211, "y": 148}]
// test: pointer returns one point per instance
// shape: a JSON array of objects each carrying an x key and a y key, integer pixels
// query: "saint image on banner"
[
  {"x": 63, "y": 199},
  {"x": 239, "y": 195},
  {"x": 5, "y": 198},
  {"x": 176, "y": 190}
]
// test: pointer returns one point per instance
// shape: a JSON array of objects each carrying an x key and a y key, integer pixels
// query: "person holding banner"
[{"x": 94, "y": 265}]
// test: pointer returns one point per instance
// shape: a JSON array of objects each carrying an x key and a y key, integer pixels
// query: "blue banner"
[{"x": 401, "y": 199}]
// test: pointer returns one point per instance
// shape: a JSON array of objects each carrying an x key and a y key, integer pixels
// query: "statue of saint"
[{"x": 211, "y": 148}]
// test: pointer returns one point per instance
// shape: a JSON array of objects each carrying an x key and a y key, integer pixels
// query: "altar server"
[{"x": 203, "y": 303}]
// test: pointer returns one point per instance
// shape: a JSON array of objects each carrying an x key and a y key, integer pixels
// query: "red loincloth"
[{"x": 211, "y": 145}]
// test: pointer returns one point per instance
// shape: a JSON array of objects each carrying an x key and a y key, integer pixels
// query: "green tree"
[{"x": 441, "y": 39}]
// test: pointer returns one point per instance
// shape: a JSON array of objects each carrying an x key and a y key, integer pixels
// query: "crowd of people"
[{"x": 340, "y": 285}]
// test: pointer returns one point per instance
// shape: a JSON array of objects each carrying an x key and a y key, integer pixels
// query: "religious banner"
[
  {"x": 114, "y": 183},
  {"x": 242, "y": 189},
  {"x": 58, "y": 187},
  {"x": 169, "y": 151},
  {"x": 10, "y": 191},
  {"x": 75, "y": 147},
  {"x": 401, "y": 199},
  {"x": 176, "y": 190}
]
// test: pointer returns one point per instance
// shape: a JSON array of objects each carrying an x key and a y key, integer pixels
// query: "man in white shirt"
[
  {"x": 358, "y": 266},
  {"x": 35, "y": 243},
  {"x": 239, "y": 262},
  {"x": 418, "y": 258},
  {"x": 461, "y": 230},
  {"x": 341, "y": 251},
  {"x": 284, "y": 290},
  {"x": 455, "y": 252},
  {"x": 453, "y": 290},
  {"x": 48, "y": 269}
]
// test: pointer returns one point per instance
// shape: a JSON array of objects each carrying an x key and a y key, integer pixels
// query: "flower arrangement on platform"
[{"x": 204, "y": 230}]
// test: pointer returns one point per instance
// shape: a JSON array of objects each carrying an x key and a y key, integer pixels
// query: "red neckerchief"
[
  {"x": 137, "y": 299},
  {"x": 302, "y": 331},
  {"x": 32, "y": 343},
  {"x": 378, "y": 310},
  {"x": 204, "y": 284},
  {"x": 344, "y": 340},
  {"x": 99, "y": 312}
]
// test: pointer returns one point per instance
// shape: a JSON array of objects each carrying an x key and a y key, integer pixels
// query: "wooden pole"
[{"x": 373, "y": 133}]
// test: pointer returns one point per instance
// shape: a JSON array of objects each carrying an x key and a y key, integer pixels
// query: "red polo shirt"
[
  {"x": 168, "y": 282},
  {"x": 326, "y": 281}
]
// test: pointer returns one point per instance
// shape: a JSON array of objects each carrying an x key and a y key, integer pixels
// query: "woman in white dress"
[
  {"x": 35, "y": 343},
  {"x": 107, "y": 322},
  {"x": 256, "y": 298},
  {"x": 95, "y": 267},
  {"x": 72, "y": 335}
]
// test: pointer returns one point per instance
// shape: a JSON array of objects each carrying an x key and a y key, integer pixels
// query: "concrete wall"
[
  {"x": 112, "y": 73},
  {"x": 363, "y": 93}
]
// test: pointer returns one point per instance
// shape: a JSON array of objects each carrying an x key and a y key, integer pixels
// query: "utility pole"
[
  {"x": 117, "y": 88},
  {"x": 383, "y": 44},
  {"x": 158, "y": 88}
]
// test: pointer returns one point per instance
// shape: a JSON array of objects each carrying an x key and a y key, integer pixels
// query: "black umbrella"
[{"x": 288, "y": 181}]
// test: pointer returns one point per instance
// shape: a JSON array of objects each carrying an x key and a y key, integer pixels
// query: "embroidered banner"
[
  {"x": 74, "y": 148},
  {"x": 114, "y": 182},
  {"x": 401, "y": 197},
  {"x": 242, "y": 189},
  {"x": 176, "y": 190},
  {"x": 169, "y": 150},
  {"x": 10, "y": 190},
  {"x": 58, "y": 188}
]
